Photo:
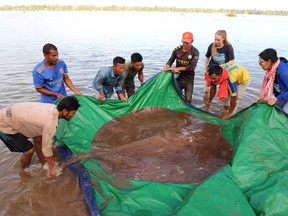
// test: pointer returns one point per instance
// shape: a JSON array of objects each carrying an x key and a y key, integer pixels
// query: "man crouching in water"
[
  {"x": 232, "y": 80},
  {"x": 37, "y": 121}
]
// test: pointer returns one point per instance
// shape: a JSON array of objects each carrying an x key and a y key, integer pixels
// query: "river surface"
[{"x": 90, "y": 40}]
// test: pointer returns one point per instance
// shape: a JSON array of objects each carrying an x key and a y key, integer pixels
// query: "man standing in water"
[
  {"x": 37, "y": 121},
  {"x": 50, "y": 75},
  {"x": 109, "y": 78},
  {"x": 132, "y": 68},
  {"x": 186, "y": 57}
]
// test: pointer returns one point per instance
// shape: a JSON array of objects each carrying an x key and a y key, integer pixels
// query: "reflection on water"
[{"x": 156, "y": 144}]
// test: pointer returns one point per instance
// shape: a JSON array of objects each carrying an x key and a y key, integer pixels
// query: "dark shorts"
[
  {"x": 130, "y": 88},
  {"x": 16, "y": 142},
  {"x": 187, "y": 87}
]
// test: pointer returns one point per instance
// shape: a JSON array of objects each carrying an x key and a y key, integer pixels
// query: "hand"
[
  {"x": 78, "y": 93},
  {"x": 258, "y": 99},
  {"x": 100, "y": 97},
  {"x": 207, "y": 106},
  {"x": 58, "y": 95},
  {"x": 175, "y": 70},
  {"x": 124, "y": 99},
  {"x": 165, "y": 68},
  {"x": 272, "y": 101},
  {"x": 226, "y": 116}
]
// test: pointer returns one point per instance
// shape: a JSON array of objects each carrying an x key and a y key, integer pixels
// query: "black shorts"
[
  {"x": 130, "y": 88},
  {"x": 16, "y": 142}
]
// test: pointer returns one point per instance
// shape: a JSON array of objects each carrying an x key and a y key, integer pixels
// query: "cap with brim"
[{"x": 187, "y": 37}]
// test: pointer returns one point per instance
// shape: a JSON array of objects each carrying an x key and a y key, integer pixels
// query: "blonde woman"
[{"x": 220, "y": 52}]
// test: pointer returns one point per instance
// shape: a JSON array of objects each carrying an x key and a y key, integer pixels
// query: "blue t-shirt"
[
  {"x": 280, "y": 89},
  {"x": 105, "y": 81},
  {"x": 50, "y": 79}
]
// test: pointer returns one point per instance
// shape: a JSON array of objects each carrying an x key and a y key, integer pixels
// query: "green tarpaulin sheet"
[{"x": 255, "y": 183}]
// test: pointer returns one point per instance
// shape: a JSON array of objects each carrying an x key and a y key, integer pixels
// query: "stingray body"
[{"x": 157, "y": 144}]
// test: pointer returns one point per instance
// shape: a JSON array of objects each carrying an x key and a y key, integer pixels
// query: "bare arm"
[
  {"x": 206, "y": 65},
  {"x": 178, "y": 69},
  {"x": 122, "y": 97},
  {"x": 165, "y": 68},
  {"x": 141, "y": 76},
  {"x": 51, "y": 163},
  {"x": 101, "y": 96},
  {"x": 232, "y": 104},
  {"x": 231, "y": 108},
  {"x": 70, "y": 84},
  {"x": 47, "y": 92},
  {"x": 229, "y": 62},
  {"x": 191, "y": 66},
  {"x": 211, "y": 96},
  {"x": 169, "y": 62},
  {"x": 50, "y": 160}
]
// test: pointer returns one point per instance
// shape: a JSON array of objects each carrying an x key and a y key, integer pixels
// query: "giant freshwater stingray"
[{"x": 157, "y": 144}]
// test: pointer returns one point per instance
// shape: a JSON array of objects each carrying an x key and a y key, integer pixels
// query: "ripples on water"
[
  {"x": 90, "y": 40},
  {"x": 31, "y": 192}
]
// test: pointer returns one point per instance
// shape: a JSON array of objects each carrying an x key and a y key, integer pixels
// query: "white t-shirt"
[{"x": 32, "y": 119}]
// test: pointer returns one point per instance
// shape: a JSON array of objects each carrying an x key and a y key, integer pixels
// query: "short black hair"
[
  {"x": 269, "y": 54},
  {"x": 215, "y": 70},
  {"x": 47, "y": 47},
  {"x": 118, "y": 60},
  {"x": 136, "y": 57},
  {"x": 69, "y": 103}
]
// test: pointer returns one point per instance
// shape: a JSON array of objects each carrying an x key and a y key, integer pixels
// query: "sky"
[{"x": 227, "y": 4}]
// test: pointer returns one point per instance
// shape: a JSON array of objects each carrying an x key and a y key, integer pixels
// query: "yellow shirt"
[{"x": 237, "y": 73}]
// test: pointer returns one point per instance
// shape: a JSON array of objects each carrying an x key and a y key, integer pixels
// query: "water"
[{"x": 90, "y": 40}]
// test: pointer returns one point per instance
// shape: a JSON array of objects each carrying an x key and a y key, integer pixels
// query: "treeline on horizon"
[{"x": 147, "y": 9}]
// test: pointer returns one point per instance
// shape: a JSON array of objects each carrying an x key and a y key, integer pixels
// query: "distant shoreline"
[{"x": 144, "y": 9}]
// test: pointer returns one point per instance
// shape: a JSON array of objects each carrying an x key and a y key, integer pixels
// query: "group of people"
[
  {"x": 38, "y": 121},
  {"x": 119, "y": 76},
  {"x": 220, "y": 70},
  {"x": 22, "y": 122}
]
